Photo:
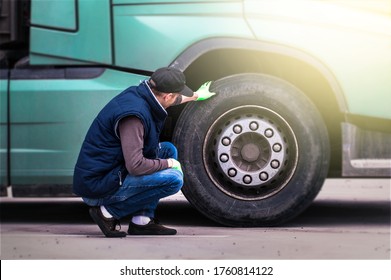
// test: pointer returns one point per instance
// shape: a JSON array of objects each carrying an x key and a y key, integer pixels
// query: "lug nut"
[
  {"x": 232, "y": 172},
  {"x": 247, "y": 179},
  {"x": 253, "y": 126},
  {"x": 224, "y": 157},
  {"x": 226, "y": 141},
  {"x": 263, "y": 176},
  {"x": 275, "y": 164},
  {"x": 237, "y": 129},
  {"x": 269, "y": 133},
  {"x": 277, "y": 148}
]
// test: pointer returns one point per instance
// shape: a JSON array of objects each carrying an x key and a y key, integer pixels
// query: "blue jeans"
[{"x": 139, "y": 195}]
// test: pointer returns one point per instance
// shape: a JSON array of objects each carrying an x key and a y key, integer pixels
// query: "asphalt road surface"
[{"x": 349, "y": 220}]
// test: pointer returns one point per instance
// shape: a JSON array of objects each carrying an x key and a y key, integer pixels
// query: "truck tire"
[{"x": 256, "y": 154}]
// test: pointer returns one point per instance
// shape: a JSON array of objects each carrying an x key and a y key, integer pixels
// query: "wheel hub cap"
[{"x": 250, "y": 152}]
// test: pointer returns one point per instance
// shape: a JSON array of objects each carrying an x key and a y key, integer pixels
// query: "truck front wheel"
[{"x": 256, "y": 154}]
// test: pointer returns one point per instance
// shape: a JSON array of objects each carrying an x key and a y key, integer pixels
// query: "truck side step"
[{"x": 365, "y": 153}]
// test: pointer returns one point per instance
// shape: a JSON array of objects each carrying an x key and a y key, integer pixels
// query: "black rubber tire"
[{"x": 306, "y": 151}]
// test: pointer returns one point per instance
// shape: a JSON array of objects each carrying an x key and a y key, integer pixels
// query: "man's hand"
[
  {"x": 174, "y": 164},
  {"x": 203, "y": 92}
]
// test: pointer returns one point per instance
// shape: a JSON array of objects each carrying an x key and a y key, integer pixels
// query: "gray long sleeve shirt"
[{"x": 131, "y": 131}]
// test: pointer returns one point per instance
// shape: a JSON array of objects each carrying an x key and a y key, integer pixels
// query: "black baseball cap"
[{"x": 170, "y": 80}]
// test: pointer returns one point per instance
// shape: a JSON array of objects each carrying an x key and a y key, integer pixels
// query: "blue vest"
[{"x": 100, "y": 167}]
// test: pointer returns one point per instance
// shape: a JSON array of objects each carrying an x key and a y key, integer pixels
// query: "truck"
[{"x": 303, "y": 93}]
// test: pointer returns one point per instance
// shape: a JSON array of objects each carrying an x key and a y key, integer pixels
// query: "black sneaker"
[
  {"x": 106, "y": 225},
  {"x": 152, "y": 228}
]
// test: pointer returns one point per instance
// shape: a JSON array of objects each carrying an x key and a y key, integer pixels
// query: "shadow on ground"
[{"x": 319, "y": 214}]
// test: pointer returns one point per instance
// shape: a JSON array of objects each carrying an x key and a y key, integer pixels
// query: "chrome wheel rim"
[{"x": 250, "y": 152}]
